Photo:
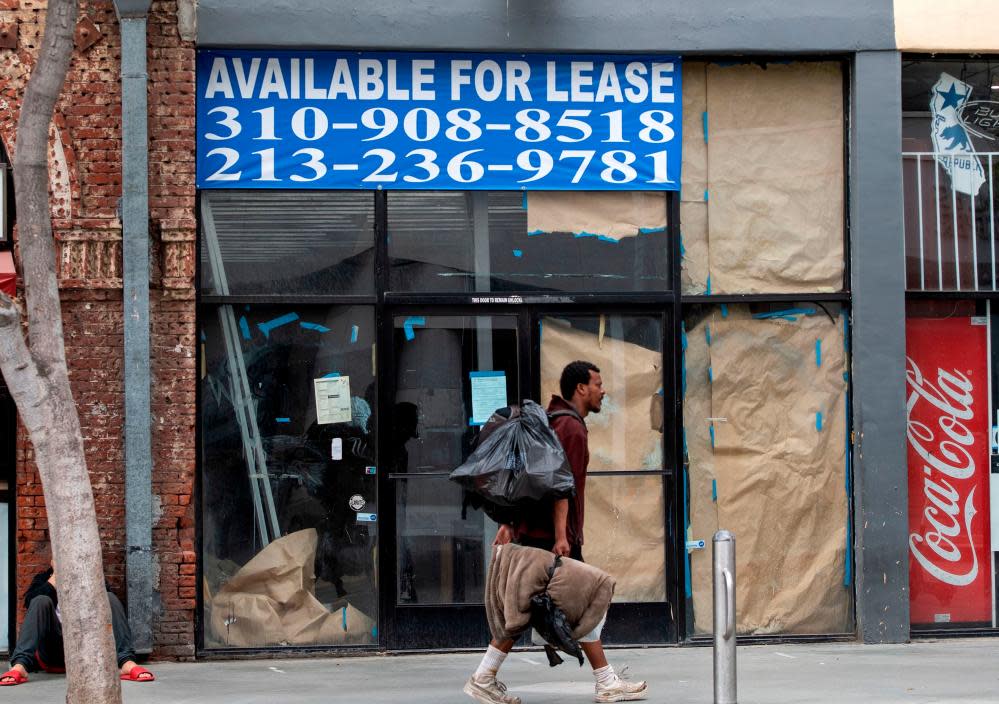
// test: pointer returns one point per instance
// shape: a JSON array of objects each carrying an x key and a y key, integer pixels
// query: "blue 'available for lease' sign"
[{"x": 280, "y": 119}]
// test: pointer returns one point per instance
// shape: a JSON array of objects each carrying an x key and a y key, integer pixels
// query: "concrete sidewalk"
[{"x": 944, "y": 671}]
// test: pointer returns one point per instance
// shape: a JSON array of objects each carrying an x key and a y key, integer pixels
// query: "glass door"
[{"x": 450, "y": 369}]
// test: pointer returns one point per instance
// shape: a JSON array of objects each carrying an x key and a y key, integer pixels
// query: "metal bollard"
[{"x": 723, "y": 556}]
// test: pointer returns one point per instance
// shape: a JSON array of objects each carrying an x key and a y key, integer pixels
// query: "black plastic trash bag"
[{"x": 518, "y": 461}]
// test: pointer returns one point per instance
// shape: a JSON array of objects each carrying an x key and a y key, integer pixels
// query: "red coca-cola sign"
[{"x": 947, "y": 427}]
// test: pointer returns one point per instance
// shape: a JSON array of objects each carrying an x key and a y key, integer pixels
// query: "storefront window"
[
  {"x": 289, "y": 467},
  {"x": 481, "y": 241},
  {"x": 950, "y": 349},
  {"x": 624, "y": 514},
  {"x": 624, "y": 534},
  {"x": 949, "y": 128},
  {"x": 762, "y": 204},
  {"x": 627, "y": 434},
  {"x": 767, "y": 458},
  {"x": 287, "y": 243}
]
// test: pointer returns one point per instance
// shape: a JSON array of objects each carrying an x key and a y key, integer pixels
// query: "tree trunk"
[{"x": 38, "y": 380}]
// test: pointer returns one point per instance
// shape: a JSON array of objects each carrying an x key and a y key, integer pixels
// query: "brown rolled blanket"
[{"x": 516, "y": 573}]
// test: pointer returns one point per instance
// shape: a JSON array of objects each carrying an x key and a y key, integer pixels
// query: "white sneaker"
[
  {"x": 619, "y": 690},
  {"x": 489, "y": 690}
]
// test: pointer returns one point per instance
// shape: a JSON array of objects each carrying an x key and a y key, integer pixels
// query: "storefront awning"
[{"x": 8, "y": 275}]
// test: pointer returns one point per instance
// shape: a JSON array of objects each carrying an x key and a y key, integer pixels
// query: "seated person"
[{"x": 39, "y": 643}]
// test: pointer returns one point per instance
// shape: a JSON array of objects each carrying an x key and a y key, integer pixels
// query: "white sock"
[
  {"x": 491, "y": 662},
  {"x": 605, "y": 675}
]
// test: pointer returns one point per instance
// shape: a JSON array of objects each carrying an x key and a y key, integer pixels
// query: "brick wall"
[{"x": 85, "y": 161}]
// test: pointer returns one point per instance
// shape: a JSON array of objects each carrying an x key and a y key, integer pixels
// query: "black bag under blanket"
[{"x": 518, "y": 461}]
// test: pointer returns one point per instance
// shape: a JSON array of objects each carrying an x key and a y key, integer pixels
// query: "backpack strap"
[{"x": 566, "y": 412}]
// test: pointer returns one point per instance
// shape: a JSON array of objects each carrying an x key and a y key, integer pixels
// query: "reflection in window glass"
[
  {"x": 444, "y": 544},
  {"x": 765, "y": 429},
  {"x": 436, "y": 356},
  {"x": 441, "y": 537},
  {"x": 512, "y": 241},
  {"x": 949, "y": 134},
  {"x": 289, "y": 502},
  {"x": 627, "y": 434},
  {"x": 283, "y": 242},
  {"x": 624, "y": 534}
]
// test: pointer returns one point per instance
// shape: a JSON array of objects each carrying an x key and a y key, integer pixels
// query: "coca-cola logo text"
[{"x": 946, "y": 454}]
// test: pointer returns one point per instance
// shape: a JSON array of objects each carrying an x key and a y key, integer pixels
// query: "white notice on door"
[{"x": 333, "y": 400}]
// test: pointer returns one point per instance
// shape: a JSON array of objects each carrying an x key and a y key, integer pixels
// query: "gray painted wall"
[
  {"x": 716, "y": 26},
  {"x": 877, "y": 263}
]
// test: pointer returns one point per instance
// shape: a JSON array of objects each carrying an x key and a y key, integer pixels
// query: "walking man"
[{"x": 560, "y": 530}]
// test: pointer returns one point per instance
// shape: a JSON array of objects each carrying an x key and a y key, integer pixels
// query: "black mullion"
[
  {"x": 674, "y": 511},
  {"x": 385, "y": 382},
  {"x": 382, "y": 272},
  {"x": 525, "y": 351}
]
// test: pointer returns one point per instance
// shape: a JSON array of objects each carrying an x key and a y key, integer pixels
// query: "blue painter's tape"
[
  {"x": 534, "y": 233},
  {"x": 602, "y": 238},
  {"x": 314, "y": 326},
  {"x": 711, "y": 374},
  {"x": 374, "y": 631},
  {"x": 650, "y": 230},
  {"x": 518, "y": 253},
  {"x": 714, "y": 490},
  {"x": 282, "y": 420},
  {"x": 705, "y": 195},
  {"x": 707, "y": 334},
  {"x": 684, "y": 431},
  {"x": 353, "y": 334},
  {"x": 818, "y": 421},
  {"x": 711, "y": 432},
  {"x": 479, "y": 375},
  {"x": 344, "y": 612},
  {"x": 818, "y": 353},
  {"x": 683, "y": 251},
  {"x": 708, "y": 284},
  {"x": 266, "y": 328},
  {"x": 788, "y": 314},
  {"x": 704, "y": 121},
  {"x": 331, "y": 375},
  {"x": 523, "y": 202},
  {"x": 412, "y": 321},
  {"x": 724, "y": 310},
  {"x": 244, "y": 327}
]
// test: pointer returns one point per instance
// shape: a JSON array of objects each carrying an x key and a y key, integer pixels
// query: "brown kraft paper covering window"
[
  {"x": 780, "y": 480},
  {"x": 624, "y": 515},
  {"x": 775, "y": 177},
  {"x": 271, "y": 601},
  {"x": 607, "y": 213}
]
